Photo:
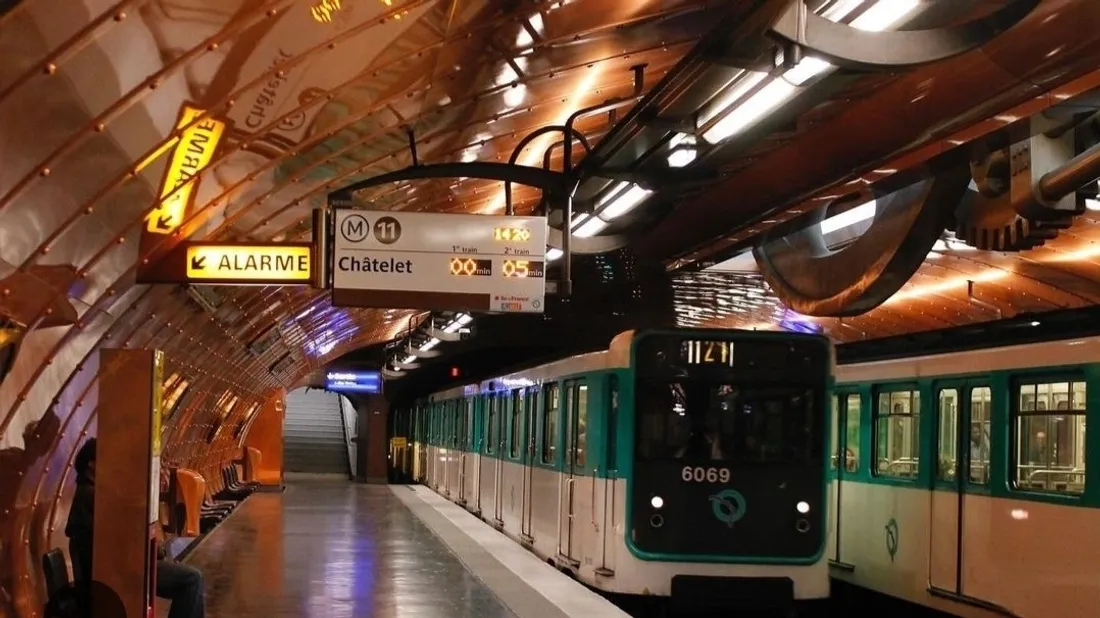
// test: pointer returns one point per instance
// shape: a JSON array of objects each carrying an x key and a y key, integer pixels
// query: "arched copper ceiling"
[{"x": 313, "y": 100}]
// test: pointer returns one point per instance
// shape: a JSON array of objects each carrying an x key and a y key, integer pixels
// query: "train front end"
[{"x": 726, "y": 503}]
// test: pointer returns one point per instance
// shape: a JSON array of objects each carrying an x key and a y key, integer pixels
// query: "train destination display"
[{"x": 439, "y": 261}]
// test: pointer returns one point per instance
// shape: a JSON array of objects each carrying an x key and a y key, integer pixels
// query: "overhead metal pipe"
[
  {"x": 509, "y": 209},
  {"x": 1076, "y": 173},
  {"x": 566, "y": 287}
]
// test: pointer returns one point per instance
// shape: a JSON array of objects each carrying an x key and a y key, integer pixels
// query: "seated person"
[{"x": 179, "y": 583}]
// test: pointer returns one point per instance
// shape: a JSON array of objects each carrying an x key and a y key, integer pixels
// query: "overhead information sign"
[
  {"x": 354, "y": 381},
  {"x": 439, "y": 261},
  {"x": 241, "y": 264},
  {"x": 193, "y": 152}
]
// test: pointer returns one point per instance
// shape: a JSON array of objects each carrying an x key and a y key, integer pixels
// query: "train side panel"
[
  {"x": 994, "y": 548},
  {"x": 1031, "y": 558}
]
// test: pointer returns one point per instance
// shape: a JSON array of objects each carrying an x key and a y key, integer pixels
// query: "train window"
[
  {"x": 454, "y": 424},
  {"x": 833, "y": 440},
  {"x": 517, "y": 411},
  {"x": 460, "y": 423},
  {"x": 468, "y": 421},
  {"x": 981, "y": 413},
  {"x": 582, "y": 422},
  {"x": 550, "y": 423},
  {"x": 699, "y": 420},
  {"x": 491, "y": 425},
  {"x": 897, "y": 434},
  {"x": 947, "y": 460},
  {"x": 851, "y": 444},
  {"x": 612, "y": 424},
  {"x": 534, "y": 398},
  {"x": 1049, "y": 437},
  {"x": 850, "y": 418}
]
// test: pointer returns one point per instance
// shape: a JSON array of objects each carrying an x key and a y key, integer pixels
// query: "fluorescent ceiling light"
[
  {"x": 753, "y": 109},
  {"x": 880, "y": 16},
  {"x": 1092, "y": 204},
  {"x": 807, "y": 69},
  {"x": 884, "y": 14},
  {"x": 681, "y": 156},
  {"x": 553, "y": 253},
  {"x": 625, "y": 202},
  {"x": 587, "y": 226},
  {"x": 849, "y": 217},
  {"x": 742, "y": 84},
  {"x": 841, "y": 9}
]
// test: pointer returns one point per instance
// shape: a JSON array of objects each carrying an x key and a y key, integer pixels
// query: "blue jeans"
[{"x": 182, "y": 585}]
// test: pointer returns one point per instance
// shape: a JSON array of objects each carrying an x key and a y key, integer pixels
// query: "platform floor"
[{"x": 333, "y": 548}]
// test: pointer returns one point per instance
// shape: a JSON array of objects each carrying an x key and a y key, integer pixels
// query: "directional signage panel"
[
  {"x": 439, "y": 261},
  {"x": 247, "y": 263},
  {"x": 193, "y": 152}
]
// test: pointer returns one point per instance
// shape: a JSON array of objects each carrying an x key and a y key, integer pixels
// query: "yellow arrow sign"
[
  {"x": 193, "y": 152},
  {"x": 248, "y": 263}
]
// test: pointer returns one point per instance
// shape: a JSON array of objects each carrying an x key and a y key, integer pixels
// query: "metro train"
[
  {"x": 964, "y": 481},
  {"x": 687, "y": 464}
]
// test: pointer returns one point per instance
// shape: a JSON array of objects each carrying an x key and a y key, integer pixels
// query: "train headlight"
[
  {"x": 802, "y": 507},
  {"x": 657, "y": 502}
]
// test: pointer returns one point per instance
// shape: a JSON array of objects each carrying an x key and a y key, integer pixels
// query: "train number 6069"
[{"x": 699, "y": 474}]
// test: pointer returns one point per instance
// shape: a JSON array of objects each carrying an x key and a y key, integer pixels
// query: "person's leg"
[{"x": 182, "y": 584}]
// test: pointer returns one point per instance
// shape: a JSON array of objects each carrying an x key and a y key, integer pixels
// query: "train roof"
[
  {"x": 617, "y": 355},
  {"x": 1075, "y": 351}
]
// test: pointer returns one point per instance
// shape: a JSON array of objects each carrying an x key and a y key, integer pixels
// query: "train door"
[
  {"x": 606, "y": 566},
  {"x": 575, "y": 390},
  {"x": 433, "y": 433},
  {"x": 463, "y": 444},
  {"x": 844, "y": 464},
  {"x": 481, "y": 406},
  {"x": 488, "y": 460},
  {"x": 530, "y": 416},
  {"x": 448, "y": 445},
  {"x": 504, "y": 412},
  {"x": 962, "y": 468}
]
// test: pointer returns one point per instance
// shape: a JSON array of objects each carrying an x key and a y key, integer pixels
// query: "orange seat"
[{"x": 192, "y": 489}]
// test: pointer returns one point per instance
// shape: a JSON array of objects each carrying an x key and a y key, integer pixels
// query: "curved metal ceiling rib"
[
  {"x": 956, "y": 286},
  {"x": 91, "y": 98}
]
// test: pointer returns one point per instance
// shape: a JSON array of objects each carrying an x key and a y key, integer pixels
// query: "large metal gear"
[{"x": 1025, "y": 194}]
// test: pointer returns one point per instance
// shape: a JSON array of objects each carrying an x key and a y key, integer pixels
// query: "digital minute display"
[
  {"x": 523, "y": 268},
  {"x": 469, "y": 267}
]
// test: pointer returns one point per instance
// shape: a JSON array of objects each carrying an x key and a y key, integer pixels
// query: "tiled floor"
[{"x": 334, "y": 549}]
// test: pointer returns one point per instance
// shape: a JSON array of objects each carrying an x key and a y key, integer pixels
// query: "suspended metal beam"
[{"x": 853, "y": 48}]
